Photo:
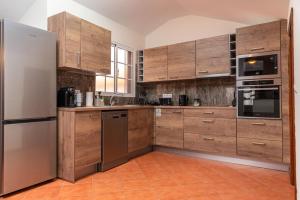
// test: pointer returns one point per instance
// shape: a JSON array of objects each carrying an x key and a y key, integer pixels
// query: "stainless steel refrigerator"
[{"x": 27, "y": 106}]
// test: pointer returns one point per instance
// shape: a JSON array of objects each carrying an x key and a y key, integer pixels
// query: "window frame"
[{"x": 115, "y": 76}]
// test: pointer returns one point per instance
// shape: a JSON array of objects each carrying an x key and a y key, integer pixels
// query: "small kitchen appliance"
[
  {"x": 66, "y": 97},
  {"x": 183, "y": 100}
]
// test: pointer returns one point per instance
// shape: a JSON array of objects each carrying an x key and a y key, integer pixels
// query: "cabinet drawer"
[
  {"x": 210, "y": 113},
  {"x": 262, "y": 149},
  {"x": 172, "y": 118},
  {"x": 87, "y": 138},
  {"x": 210, "y": 144},
  {"x": 260, "y": 129},
  {"x": 210, "y": 126},
  {"x": 169, "y": 137}
]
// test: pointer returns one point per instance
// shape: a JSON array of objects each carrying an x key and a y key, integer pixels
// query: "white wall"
[
  {"x": 189, "y": 28},
  {"x": 36, "y": 15},
  {"x": 296, "y": 5},
  {"x": 120, "y": 33}
]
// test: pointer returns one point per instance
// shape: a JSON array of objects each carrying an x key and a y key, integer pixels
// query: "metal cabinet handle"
[
  {"x": 258, "y": 124},
  {"x": 173, "y": 77},
  {"x": 257, "y": 48},
  {"x": 202, "y": 72},
  {"x": 161, "y": 78},
  {"x": 209, "y": 138},
  {"x": 259, "y": 143},
  {"x": 208, "y": 121},
  {"x": 209, "y": 113},
  {"x": 78, "y": 58},
  {"x": 177, "y": 112}
]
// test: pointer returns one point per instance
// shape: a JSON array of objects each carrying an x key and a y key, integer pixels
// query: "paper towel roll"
[{"x": 89, "y": 99}]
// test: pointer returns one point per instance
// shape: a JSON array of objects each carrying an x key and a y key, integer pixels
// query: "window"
[{"x": 121, "y": 79}]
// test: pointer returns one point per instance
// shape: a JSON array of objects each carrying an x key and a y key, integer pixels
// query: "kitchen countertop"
[{"x": 129, "y": 107}]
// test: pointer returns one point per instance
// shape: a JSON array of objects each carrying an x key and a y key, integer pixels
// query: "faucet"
[{"x": 111, "y": 102}]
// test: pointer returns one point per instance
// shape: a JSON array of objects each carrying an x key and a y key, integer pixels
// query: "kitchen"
[{"x": 204, "y": 113}]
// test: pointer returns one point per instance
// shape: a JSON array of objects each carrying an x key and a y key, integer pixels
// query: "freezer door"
[
  {"x": 29, "y": 72},
  {"x": 29, "y": 154}
]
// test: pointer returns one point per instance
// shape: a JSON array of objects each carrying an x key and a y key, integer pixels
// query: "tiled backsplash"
[{"x": 211, "y": 92}]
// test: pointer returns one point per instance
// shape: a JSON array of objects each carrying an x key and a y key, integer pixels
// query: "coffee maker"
[
  {"x": 183, "y": 100},
  {"x": 66, "y": 97}
]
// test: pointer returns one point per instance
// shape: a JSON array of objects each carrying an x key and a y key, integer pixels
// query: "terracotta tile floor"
[{"x": 162, "y": 176}]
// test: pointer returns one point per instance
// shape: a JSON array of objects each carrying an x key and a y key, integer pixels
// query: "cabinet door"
[
  {"x": 169, "y": 128},
  {"x": 94, "y": 48},
  {"x": 155, "y": 64},
  {"x": 67, "y": 28},
  {"x": 140, "y": 129},
  {"x": 87, "y": 139},
  {"x": 258, "y": 38},
  {"x": 212, "y": 56},
  {"x": 182, "y": 61}
]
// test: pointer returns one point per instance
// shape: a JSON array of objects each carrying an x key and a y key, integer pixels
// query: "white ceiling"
[
  {"x": 14, "y": 9},
  {"x": 144, "y": 16}
]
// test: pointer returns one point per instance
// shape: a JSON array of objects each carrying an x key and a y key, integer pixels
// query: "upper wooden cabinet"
[
  {"x": 212, "y": 56},
  {"x": 182, "y": 61},
  {"x": 81, "y": 44},
  {"x": 155, "y": 64},
  {"x": 258, "y": 38}
]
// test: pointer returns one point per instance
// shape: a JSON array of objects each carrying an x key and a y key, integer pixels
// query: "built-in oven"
[
  {"x": 259, "y": 66},
  {"x": 259, "y": 98}
]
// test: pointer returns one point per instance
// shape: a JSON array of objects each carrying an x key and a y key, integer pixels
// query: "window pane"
[
  {"x": 129, "y": 58},
  {"x": 121, "y": 70},
  {"x": 100, "y": 83},
  {"x": 121, "y": 55},
  {"x": 112, "y": 54},
  {"x": 112, "y": 67},
  {"x": 110, "y": 84},
  {"x": 121, "y": 85},
  {"x": 129, "y": 72}
]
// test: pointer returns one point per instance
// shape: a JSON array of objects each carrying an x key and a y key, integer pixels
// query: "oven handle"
[{"x": 255, "y": 89}]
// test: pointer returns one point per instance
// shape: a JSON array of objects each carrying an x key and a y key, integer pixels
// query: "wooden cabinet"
[
  {"x": 169, "y": 128},
  {"x": 209, "y": 130},
  {"x": 260, "y": 139},
  {"x": 155, "y": 64},
  {"x": 140, "y": 129},
  {"x": 258, "y": 38},
  {"x": 182, "y": 61},
  {"x": 213, "y": 56},
  {"x": 79, "y": 149},
  {"x": 81, "y": 44}
]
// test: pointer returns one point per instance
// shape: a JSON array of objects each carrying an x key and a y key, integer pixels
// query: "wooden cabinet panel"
[
  {"x": 210, "y": 126},
  {"x": 72, "y": 47},
  {"x": 212, "y": 56},
  {"x": 210, "y": 144},
  {"x": 228, "y": 113},
  {"x": 260, "y": 129},
  {"x": 140, "y": 129},
  {"x": 169, "y": 128},
  {"x": 155, "y": 64},
  {"x": 258, "y": 38},
  {"x": 182, "y": 61},
  {"x": 270, "y": 150},
  {"x": 87, "y": 139},
  {"x": 67, "y": 27},
  {"x": 93, "y": 43},
  {"x": 81, "y": 44},
  {"x": 169, "y": 136}
]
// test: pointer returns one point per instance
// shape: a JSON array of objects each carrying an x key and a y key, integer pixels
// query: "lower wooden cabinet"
[
  {"x": 140, "y": 129},
  {"x": 79, "y": 149},
  {"x": 210, "y": 143},
  {"x": 260, "y": 139},
  {"x": 169, "y": 128}
]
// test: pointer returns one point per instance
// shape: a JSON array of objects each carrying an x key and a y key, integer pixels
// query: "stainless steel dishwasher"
[{"x": 114, "y": 138}]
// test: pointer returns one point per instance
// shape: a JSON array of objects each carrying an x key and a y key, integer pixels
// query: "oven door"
[
  {"x": 259, "y": 102},
  {"x": 258, "y": 66}
]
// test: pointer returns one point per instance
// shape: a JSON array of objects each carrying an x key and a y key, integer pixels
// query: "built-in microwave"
[
  {"x": 259, "y": 66},
  {"x": 259, "y": 98}
]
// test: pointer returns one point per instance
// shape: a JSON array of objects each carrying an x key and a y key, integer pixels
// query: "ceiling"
[
  {"x": 14, "y": 9},
  {"x": 144, "y": 16}
]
